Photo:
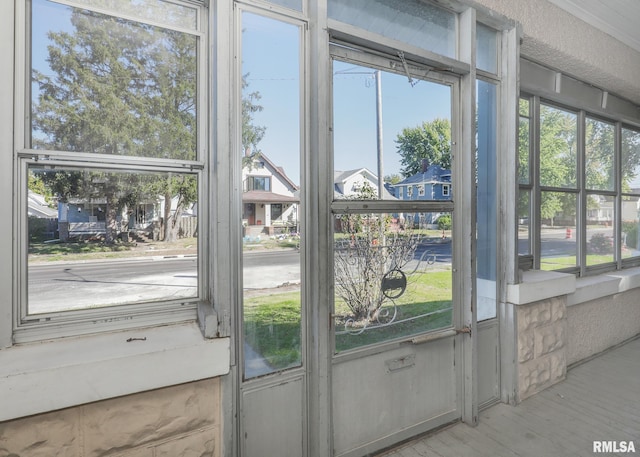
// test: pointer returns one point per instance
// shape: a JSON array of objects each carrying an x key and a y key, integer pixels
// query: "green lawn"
[
  {"x": 557, "y": 263},
  {"x": 272, "y": 322}
]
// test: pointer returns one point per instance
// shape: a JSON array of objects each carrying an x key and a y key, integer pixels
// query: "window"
[
  {"x": 630, "y": 220},
  {"x": 487, "y": 48},
  {"x": 524, "y": 179},
  {"x": 409, "y": 191},
  {"x": 258, "y": 183},
  {"x": 414, "y": 22},
  {"x": 112, "y": 149},
  {"x": 446, "y": 190},
  {"x": 569, "y": 218},
  {"x": 421, "y": 190}
]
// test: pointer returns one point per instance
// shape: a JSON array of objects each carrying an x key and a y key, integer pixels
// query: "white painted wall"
[
  {"x": 597, "y": 325},
  {"x": 559, "y": 40}
]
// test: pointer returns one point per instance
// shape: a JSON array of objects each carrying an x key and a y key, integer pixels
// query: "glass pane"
[
  {"x": 101, "y": 238},
  {"x": 150, "y": 10},
  {"x": 558, "y": 147},
  {"x": 292, "y": 4},
  {"x": 524, "y": 151},
  {"x": 630, "y": 161},
  {"x": 270, "y": 138},
  {"x": 411, "y": 21},
  {"x": 600, "y": 231},
  {"x": 414, "y": 156},
  {"x": 487, "y": 48},
  {"x": 523, "y": 107},
  {"x": 599, "y": 154},
  {"x": 558, "y": 231},
  {"x": 486, "y": 230},
  {"x": 111, "y": 86},
  {"x": 392, "y": 278},
  {"x": 524, "y": 222},
  {"x": 630, "y": 227}
]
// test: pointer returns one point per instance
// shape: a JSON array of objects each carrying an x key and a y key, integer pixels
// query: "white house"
[
  {"x": 269, "y": 198},
  {"x": 348, "y": 184}
]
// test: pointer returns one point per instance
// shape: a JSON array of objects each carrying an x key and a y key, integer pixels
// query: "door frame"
[
  {"x": 316, "y": 198},
  {"x": 463, "y": 212}
]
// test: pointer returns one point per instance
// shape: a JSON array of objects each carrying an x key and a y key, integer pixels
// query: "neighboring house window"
[
  {"x": 258, "y": 183},
  {"x": 400, "y": 192},
  {"x": 409, "y": 191},
  {"x": 421, "y": 190},
  {"x": 570, "y": 223},
  {"x": 114, "y": 130},
  {"x": 276, "y": 211},
  {"x": 446, "y": 190}
]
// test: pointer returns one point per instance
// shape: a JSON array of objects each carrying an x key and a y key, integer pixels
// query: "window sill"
[
  {"x": 41, "y": 377},
  {"x": 539, "y": 285},
  {"x": 615, "y": 282}
]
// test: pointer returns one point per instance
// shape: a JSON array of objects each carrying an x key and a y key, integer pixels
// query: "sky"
[{"x": 270, "y": 56}]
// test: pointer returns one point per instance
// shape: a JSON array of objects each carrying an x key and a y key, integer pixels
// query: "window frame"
[
  {"x": 581, "y": 190},
  {"x": 25, "y": 327}
]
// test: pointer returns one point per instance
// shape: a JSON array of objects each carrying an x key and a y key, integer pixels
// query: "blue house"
[{"x": 432, "y": 183}]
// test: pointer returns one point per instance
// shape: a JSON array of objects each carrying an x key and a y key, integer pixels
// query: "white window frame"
[
  {"x": 446, "y": 190},
  {"x": 26, "y": 328}
]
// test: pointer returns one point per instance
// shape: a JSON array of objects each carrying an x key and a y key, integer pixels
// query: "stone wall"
[
  {"x": 177, "y": 421},
  {"x": 542, "y": 334}
]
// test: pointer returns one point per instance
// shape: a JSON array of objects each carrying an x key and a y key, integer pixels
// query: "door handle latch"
[{"x": 465, "y": 329}]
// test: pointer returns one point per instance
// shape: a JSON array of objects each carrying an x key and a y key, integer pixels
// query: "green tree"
[
  {"x": 393, "y": 178},
  {"x": 251, "y": 133},
  {"x": 122, "y": 88},
  {"x": 600, "y": 154},
  {"x": 558, "y": 161},
  {"x": 430, "y": 141},
  {"x": 630, "y": 158}
]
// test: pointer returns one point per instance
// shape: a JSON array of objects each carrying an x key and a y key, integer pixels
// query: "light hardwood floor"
[{"x": 599, "y": 400}]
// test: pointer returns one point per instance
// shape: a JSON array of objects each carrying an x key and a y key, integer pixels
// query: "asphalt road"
[{"x": 77, "y": 285}]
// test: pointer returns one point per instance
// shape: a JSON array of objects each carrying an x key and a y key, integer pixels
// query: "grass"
[
  {"x": 272, "y": 327},
  {"x": 272, "y": 322},
  {"x": 97, "y": 250},
  {"x": 270, "y": 244},
  {"x": 557, "y": 263},
  {"x": 426, "y": 293}
]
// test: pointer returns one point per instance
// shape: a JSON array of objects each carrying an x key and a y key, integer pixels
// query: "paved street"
[{"x": 77, "y": 285}]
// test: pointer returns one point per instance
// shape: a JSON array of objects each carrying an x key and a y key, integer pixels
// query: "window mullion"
[
  {"x": 581, "y": 218},
  {"x": 534, "y": 151}
]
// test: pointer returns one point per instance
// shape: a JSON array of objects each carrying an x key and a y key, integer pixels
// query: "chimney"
[{"x": 424, "y": 165}]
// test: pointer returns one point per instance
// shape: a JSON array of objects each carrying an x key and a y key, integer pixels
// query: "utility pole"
[{"x": 379, "y": 132}]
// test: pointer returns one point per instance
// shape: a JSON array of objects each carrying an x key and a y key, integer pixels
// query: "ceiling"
[{"x": 618, "y": 18}]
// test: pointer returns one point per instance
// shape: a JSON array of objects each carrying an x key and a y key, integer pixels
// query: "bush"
[
  {"x": 600, "y": 244},
  {"x": 444, "y": 222},
  {"x": 41, "y": 229},
  {"x": 631, "y": 230}
]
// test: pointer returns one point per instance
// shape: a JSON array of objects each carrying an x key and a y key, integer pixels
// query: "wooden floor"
[{"x": 599, "y": 400}]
